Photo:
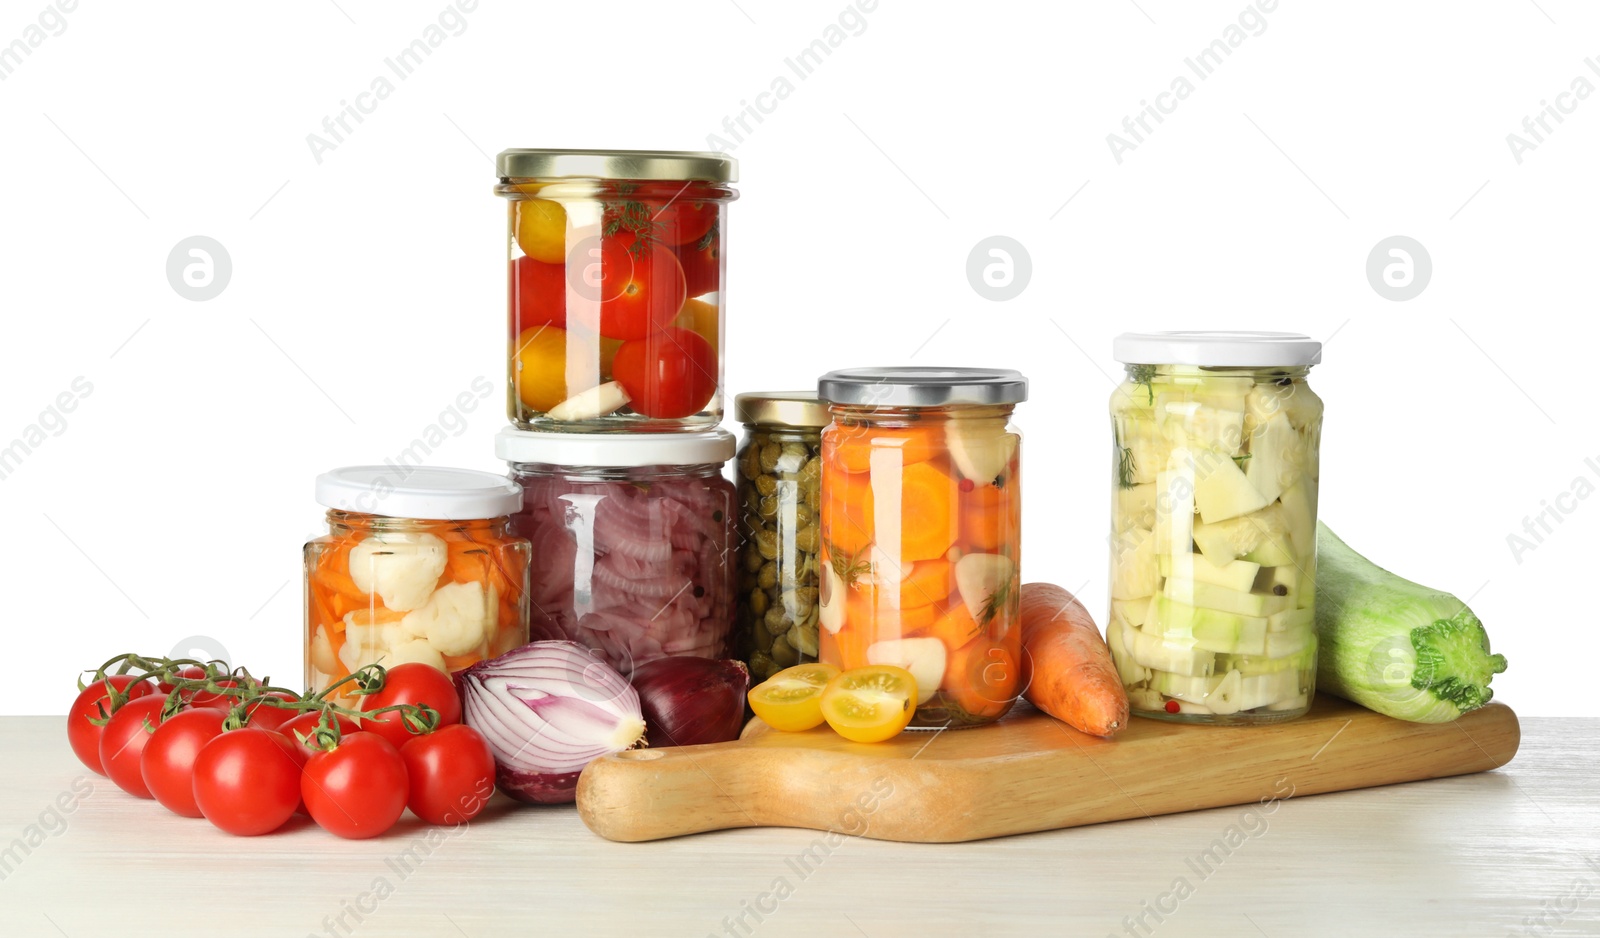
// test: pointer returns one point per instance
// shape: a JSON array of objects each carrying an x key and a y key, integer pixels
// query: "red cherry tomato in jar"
[
  {"x": 538, "y": 294},
  {"x": 451, "y": 772},
  {"x": 93, "y": 703},
  {"x": 306, "y": 724},
  {"x": 124, "y": 740},
  {"x": 167, "y": 764},
  {"x": 358, "y": 788},
  {"x": 672, "y": 373},
  {"x": 638, "y": 284},
  {"x": 701, "y": 263},
  {"x": 411, "y": 683},
  {"x": 685, "y": 221},
  {"x": 247, "y": 781}
]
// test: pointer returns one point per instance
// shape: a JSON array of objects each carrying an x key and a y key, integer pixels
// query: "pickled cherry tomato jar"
[
  {"x": 616, "y": 267},
  {"x": 779, "y": 473},
  {"x": 419, "y": 564},
  {"x": 922, "y": 533},
  {"x": 1215, "y": 449},
  {"x": 633, "y": 537}
]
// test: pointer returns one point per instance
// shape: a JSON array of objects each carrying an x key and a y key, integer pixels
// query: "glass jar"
[
  {"x": 780, "y": 489},
  {"x": 922, "y": 533},
  {"x": 615, "y": 298},
  {"x": 633, "y": 536},
  {"x": 1214, "y": 525},
  {"x": 419, "y": 564}
]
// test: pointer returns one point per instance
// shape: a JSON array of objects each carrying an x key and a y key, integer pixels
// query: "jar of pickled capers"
[{"x": 780, "y": 486}]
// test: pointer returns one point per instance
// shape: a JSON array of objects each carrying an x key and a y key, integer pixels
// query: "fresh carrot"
[{"x": 1073, "y": 678}]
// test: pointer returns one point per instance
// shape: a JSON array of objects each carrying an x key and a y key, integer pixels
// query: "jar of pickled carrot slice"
[
  {"x": 419, "y": 564},
  {"x": 615, "y": 264},
  {"x": 921, "y": 533}
]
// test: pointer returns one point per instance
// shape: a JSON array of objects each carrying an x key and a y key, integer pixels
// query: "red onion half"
[
  {"x": 548, "y": 709},
  {"x": 687, "y": 701}
]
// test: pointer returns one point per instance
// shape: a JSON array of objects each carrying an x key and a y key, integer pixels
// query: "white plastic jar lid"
[
  {"x": 420, "y": 492},
  {"x": 694, "y": 448},
  {"x": 1217, "y": 349}
]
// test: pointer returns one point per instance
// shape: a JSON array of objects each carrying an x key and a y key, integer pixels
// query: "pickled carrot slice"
[
  {"x": 982, "y": 678},
  {"x": 928, "y": 582},
  {"x": 956, "y": 627},
  {"x": 927, "y": 522},
  {"x": 848, "y": 511},
  {"x": 852, "y": 447},
  {"x": 985, "y": 517}
]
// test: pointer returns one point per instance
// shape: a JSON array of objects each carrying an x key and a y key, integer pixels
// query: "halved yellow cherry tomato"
[
  {"x": 791, "y": 700},
  {"x": 871, "y": 704}
]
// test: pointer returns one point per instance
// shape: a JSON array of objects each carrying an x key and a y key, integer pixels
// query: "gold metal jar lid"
[
  {"x": 616, "y": 164},
  {"x": 781, "y": 408}
]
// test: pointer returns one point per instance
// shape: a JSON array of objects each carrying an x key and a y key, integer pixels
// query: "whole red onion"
[{"x": 687, "y": 701}]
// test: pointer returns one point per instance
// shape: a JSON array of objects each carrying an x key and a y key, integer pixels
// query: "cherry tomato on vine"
[
  {"x": 247, "y": 781},
  {"x": 92, "y": 703},
  {"x": 167, "y": 764},
  {"x": 265, "y": 716},
  {"x": 411, "y": 683},
  {"x": 189, "y": 672},
  {"x": 124, "y": 740},
  {"x": 670, "y": 374},
  {"x": 358, "y": 788},
  {"x": 451, "y": 772},
  {"x": 306, "y": 724},
  {"x": 212, "y": 699}
]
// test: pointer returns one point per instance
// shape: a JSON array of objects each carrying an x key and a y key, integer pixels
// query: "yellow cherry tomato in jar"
[
  {"x": 542, "y": 229},
  {"x": 541, "y": 367},
  {"x": 791, "y": 700},
  {"x": 870, "y": 704}
]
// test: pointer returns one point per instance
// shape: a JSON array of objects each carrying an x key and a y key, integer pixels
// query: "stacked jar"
[{"x": 615, "y": 301}]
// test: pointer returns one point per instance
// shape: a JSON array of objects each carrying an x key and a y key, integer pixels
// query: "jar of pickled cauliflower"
[
  {"x": 780, "y": 487},
  {"x": 419, "y": 564},
  {"x": 633, "y": 540},
  {"x": 922, "y": 535},
  {"x": 616, "y": 265},
  {"x": 1214, "y": 525}
]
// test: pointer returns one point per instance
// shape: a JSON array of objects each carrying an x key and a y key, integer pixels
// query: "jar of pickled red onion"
[
  {"x": 634, "y": 540},
  {"x": 419, "y": 564}
]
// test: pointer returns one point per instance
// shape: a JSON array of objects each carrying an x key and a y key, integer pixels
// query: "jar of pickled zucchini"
[
  {"x": 633, "y": 540},
  {"x": 616, "y": 268},
  {"x": 780, "y": 487},
  {"x": 419, "y": 564},
  {"x": 922, "y": 533},
  {"x": 1215, "y": 441}
]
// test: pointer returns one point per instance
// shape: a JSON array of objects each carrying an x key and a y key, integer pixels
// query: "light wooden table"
[{"x": 1515, "y": 851}]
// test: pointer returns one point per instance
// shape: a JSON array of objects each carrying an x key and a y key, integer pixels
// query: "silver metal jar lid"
[
  {"x": 918, "y": 386},
  {"x": 616, "y": 164}
]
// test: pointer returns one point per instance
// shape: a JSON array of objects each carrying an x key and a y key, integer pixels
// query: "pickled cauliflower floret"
[
  {"x": 415, "y": 651},
  {"x": 456, "y": 618},
  {"x": 401, "y": 568}
]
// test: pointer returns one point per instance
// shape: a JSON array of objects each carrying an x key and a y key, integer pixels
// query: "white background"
[{"x": 367, "y": 289}]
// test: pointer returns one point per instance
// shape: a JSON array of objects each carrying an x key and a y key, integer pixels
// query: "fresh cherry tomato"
[
  {"x": 358, "y": 788},
  {"x": 265, "y": 716},
  {"x": 701, "y": 262},
  {"x": 93, "y": 703},
  {"x": 638, "y": 284},
  {"x": 411, "y": 683},
  {"x": 538, "y": 294},
  {"x": 685, "y": 221},
  {"x": 451, "y": 772},
  {"x": 167, "y": 764},
  {"x": 670, "y": 374},
  {"x": 247, "y": 781},
  {"x": 306, "y": 724},
  {"x": 124, "y": 740},
  {"x": 189, "y": 672}
]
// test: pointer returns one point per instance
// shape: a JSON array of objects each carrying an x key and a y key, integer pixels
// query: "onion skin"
[
  {"x": 546, "y": 710},
  {"x": 688, "y": 701}
]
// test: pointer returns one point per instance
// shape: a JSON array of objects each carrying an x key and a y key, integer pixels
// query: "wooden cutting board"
[{"x": 1029, "y": 772}]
